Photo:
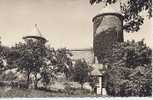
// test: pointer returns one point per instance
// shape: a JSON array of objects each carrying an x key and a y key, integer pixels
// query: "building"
[
  {"x": 36, "y": 35},
  {"x": 107, "y": 30}
]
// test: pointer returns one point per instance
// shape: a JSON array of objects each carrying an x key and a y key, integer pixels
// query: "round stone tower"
[
  {"x": 107, "y": 29},
  {"x": 36, "y": 35}
]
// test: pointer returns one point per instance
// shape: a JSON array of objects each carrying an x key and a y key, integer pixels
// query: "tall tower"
[
  {"x": 36, "y": 35},
  {"x": 107, "y": 29}
]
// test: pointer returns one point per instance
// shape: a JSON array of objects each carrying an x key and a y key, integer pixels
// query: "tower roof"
[
  {"x": 35, "y": 34},
  {"x": 113, "y": 9},
  {"x": 36, "y": 31}
]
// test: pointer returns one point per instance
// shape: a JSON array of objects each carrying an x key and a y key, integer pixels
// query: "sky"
[{"x": 64, "y": 23}]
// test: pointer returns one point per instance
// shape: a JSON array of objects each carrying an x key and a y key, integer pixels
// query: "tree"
[
  {"x": 1, "y": 57},
  {"x": 92, "y": 82},
  {"x": 131, "y": 10},
  {"x": 35, "y": 58},
  {"x": 81, "y": 72},
  {"x": 64, "y": 61},
  {"x": 4, "y": 51},
  {"x": 59, "y": 61},
  {"x": 130, "y": 72},
  {"x": 30, "y": 58}
]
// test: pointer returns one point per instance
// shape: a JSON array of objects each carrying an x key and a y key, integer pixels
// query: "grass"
[{"x": 16, "y": 92}]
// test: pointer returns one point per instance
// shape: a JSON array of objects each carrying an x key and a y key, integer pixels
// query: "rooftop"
[{"x": 35, "y": 34}]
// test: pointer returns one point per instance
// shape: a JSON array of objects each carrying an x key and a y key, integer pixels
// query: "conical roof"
[
  {"x": 36, "y": 31},
  {"x": 35, "y": 34}
]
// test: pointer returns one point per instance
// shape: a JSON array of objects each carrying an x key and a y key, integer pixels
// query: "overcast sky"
[{"x": 65, "y": 23}]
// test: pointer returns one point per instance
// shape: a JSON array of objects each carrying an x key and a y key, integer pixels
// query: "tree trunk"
[
  {"x": 28, "y": 79},
  {"x": 81, "y": 86},
  {"x": 35, "y": 81}
]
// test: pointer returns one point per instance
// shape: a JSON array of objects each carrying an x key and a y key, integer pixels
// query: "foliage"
[
  {"x": 64, "y": 62},
  {"x": 131, "y": 10},
  {"x": 130, "y": 72},
  {"x": 30, "y": 58},
  {"x": 81, "y": 72},
  {"x": 35, "y": 58},
  {"x": 92, "y": 82},
  {"x": 9, "y": 76},
  {"x": 68, "y": 89},
  {"x": 3, "y": 57},
  {"x": 15, "y": 92}
]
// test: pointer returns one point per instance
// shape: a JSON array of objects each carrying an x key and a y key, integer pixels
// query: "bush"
[{"x": 130, "y": 73}]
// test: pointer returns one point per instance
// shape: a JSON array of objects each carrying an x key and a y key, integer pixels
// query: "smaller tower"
[{"x": 36, "y": 35}]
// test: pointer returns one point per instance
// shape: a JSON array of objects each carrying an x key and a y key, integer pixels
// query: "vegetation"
[
  {"x": 64, "y": 62},
  {"x": 130, "y": 71},
  {"x": 30, "y": 58},
  {"x": 81, "y": 72},
  {"x": 3, "y": 52},
  {"x": 16, "y": 92},
  {"x": 34, "y": 58},
  {"x": 44, "y": 63},
  {"x": 131, "y": 9},
  {"x": 93, "y": 81}
]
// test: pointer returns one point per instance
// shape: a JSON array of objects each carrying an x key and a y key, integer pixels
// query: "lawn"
[{"x": 16, "y": 92}]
